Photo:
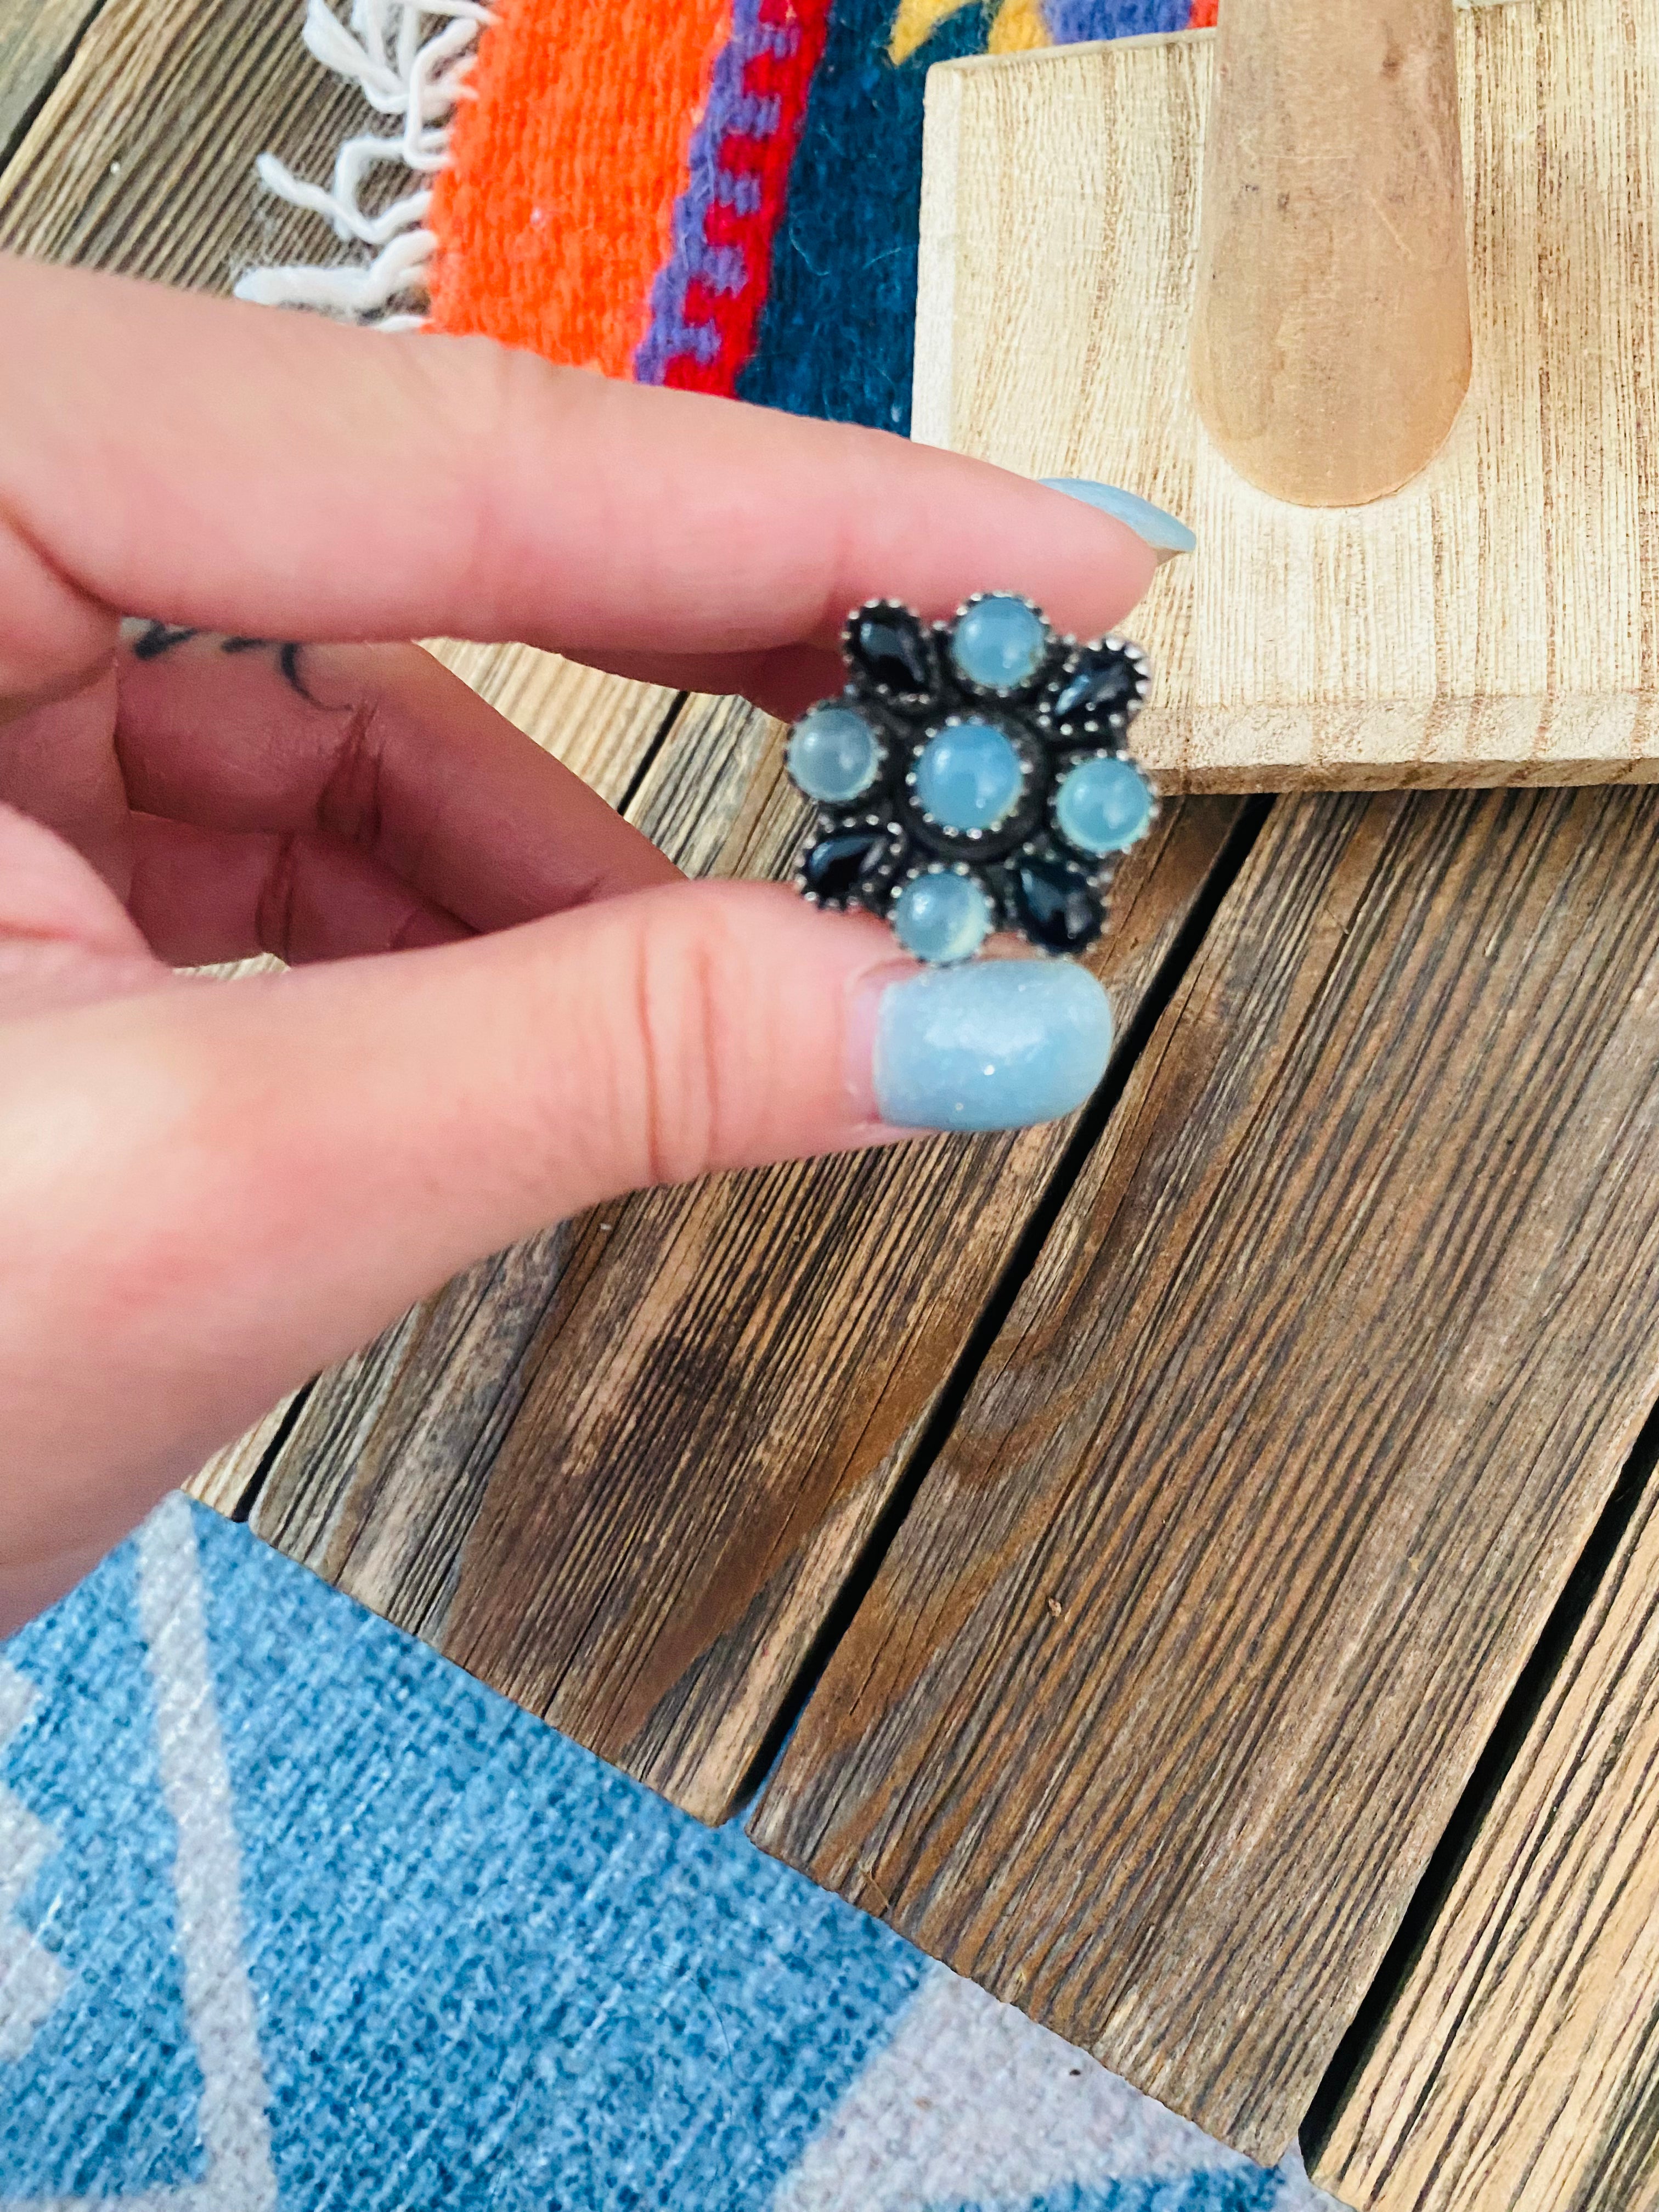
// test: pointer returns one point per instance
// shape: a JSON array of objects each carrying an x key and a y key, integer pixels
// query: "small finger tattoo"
[
  {"x": 150, "y": 642},
  {"x": 157, "y": 638}
]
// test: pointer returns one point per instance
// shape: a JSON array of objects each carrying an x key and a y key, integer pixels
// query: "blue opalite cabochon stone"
[
  {"x": 941, "y": 916},
  {"x": 833, "y": 754},
  {"x": 999, "y": 643},
  {"x": 1103, "y": 806},
  {"x": 970, "y": 776}
]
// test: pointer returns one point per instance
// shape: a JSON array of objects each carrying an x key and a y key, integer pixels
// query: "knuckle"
[
  {"x": 685, "y": 992},
  {"x": 505, "y": 411},
  {"x": 350, "y": 802}
]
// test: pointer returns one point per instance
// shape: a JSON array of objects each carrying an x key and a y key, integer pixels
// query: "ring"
[{"x": 973, "y": 776}]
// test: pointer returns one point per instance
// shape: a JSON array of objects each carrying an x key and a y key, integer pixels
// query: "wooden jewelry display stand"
[{"x": 1369, "y": 296}]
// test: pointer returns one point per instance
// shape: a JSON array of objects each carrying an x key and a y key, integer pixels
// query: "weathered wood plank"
[
  {"x": 1180, "y": 1661},
  {"x": 379, "y": 1480},
  {"x": 225, "y": 1482},
  {"x": 1517, "y": 2067},
  {"x": 604, "y": 727},
  {"x": 142, "y": 157},
  {"x": 433, "y": 1391},
  {"x": 711, "y": 1405},
  {"x": 37, "y": 38},
  {"x": 720, "y": 1417}
]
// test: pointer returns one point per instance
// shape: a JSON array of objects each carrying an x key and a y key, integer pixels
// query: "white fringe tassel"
[{"x": 404, "y": 68}]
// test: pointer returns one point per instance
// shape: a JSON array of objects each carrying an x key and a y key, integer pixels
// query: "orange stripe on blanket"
[{"x": 557, "y": 210}]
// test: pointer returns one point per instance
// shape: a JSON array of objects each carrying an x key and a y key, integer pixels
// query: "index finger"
[{"x": 236, "y": 468}]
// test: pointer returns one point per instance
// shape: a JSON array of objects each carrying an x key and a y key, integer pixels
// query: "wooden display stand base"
[{"x": 1498, "y": 619}]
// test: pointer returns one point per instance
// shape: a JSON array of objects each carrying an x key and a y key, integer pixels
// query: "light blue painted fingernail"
[
  {"x": 1161, "y": 531},
  {"x": 995, "y": 1045}
]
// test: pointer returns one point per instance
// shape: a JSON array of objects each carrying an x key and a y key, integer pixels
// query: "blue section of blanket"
[
  {"x": 105, "y": 2100},
  {"x": 474, "y": 1967}
]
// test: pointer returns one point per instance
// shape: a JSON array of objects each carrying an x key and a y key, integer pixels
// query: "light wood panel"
[
  {"x": 1260, "y": 1498},
  {"x": 1332, "y": 213},
  {"x": 1517, "y": 2067},
  {"x": 1495, "y": 620},
  {"x": 686, "y": 1443}
]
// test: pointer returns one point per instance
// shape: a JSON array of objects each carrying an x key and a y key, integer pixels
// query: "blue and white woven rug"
[{"x": 295, "y": 1915}]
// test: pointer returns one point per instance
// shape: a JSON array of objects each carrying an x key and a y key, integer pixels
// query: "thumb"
[
  {"x": 209, "y": 1192},
  {"x": 512, "y": 1081}
]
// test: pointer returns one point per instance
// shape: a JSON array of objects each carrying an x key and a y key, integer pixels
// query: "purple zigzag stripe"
[{"x": 730, "y": 111}]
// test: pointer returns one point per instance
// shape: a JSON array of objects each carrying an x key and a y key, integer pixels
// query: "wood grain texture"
[
  {"x": 1186, "y": 1648},
  {"x": 142, "y": 157},
  {"x": 1330, "y": 334},
  {"x": 462, "y": 1345},
  {"x": 630, "y": 1510},
  {"x": 1493, "y": 622},
  {"x": 225, "y": 1482},
  {"x": 1517, "y": 2067},
  {"x": 604, "y": 728},
  {"x": 37, "y": 38},
  {"x": 377, "y": 1480}
]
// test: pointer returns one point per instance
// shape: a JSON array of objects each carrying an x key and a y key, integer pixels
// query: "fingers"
[
  {"x": 238, "y": 469},
  {"x": 64, "y": 937},
  {"x": 210, "y": 1194},
  {"x": 455, "y": 812},
  {"x": 50, "y": 893},
  {"x": 206, "y": 896},
  {"x": 783, "y": 680},
  {"x": 57, "y": 764}
]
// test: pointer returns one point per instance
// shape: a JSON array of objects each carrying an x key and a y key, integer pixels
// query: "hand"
[{"x": 504, "y": 1004}]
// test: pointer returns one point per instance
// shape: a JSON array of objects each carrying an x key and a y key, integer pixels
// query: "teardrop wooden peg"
[{"x": 1330, "y": 342}]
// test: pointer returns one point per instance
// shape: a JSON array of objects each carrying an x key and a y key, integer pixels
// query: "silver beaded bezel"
[
  {"x": 1080, "y": 759},
  {"x": 851, "y": 703},
  {"x": 1097, "y": 872},
  {"x": 907, "y": 841},
  {"x": 1091, "y": 729},
  {"x": 863, "y": 684},
  {"x": 880, "y": 880},
  {"x": 941, "y": 867},
  {"x": 1027, "y": 685},
  {"x": 994, "y": 833}
]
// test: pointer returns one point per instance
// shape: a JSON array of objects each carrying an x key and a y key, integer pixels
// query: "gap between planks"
[
  {"x": 698, "y": 1414},
  {"x": 1514, "y": 2061},
  {"x": 38, "y": 39},
  {"x": 1181, "y": 1658}
]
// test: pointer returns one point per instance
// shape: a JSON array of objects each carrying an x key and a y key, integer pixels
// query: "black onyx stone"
[
  {"x": 889, "y": 646},
  {"x": 837, "y": 866},
  {"x": 1103, "y": 683},
  {"x": 1055, "y": 906}
]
